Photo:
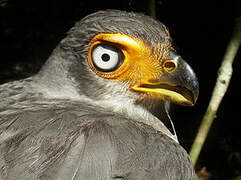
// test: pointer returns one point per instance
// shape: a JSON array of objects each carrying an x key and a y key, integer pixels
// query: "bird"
[{"x": 88, "y": 114}]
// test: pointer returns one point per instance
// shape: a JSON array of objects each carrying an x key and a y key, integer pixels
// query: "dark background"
[{"x": 30, "y": 29}]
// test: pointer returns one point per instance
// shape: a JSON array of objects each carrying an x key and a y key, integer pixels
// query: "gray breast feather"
[
  {"x": 62, "y": 139},
  {"x": 69, "y": 143}
]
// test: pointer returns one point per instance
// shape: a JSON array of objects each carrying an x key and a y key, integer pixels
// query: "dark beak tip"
[
  {"x": 193, "y": 85},
  {"x": 195, "y": 96},
  {"x": 193, "y": 88},
  {"x": 196, "y": 90},
  {"x": 186, "y": 77}
]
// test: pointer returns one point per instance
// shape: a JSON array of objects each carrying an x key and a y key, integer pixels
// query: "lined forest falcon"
[{"x": 88, "y": 113}]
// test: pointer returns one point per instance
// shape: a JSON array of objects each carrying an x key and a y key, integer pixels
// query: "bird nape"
[{"x": 88, "y": 113}]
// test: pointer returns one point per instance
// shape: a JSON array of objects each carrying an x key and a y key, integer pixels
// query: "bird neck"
[{"x": 133, "y": 111}]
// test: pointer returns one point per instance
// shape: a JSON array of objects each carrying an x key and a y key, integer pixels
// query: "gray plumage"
[{"x": 68, "y": 123}]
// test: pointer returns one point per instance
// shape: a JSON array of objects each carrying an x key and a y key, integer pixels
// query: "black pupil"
[{"x": 105, "y": 57}]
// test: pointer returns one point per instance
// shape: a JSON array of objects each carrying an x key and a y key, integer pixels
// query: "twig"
[
  {"x": 223, "y": 79},
  {"x": 152, "y": 8}
]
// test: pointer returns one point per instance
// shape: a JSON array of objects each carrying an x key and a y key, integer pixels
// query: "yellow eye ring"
[{"x": 113, "y": 74}]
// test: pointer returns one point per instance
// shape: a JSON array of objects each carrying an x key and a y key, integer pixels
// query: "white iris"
[{"x": 105, "y": 57}]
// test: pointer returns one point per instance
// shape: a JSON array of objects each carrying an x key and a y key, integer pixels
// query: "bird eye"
[{"x": 106, "y": 58}]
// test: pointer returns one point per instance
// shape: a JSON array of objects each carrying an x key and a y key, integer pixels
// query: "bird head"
[{"x": 115, "y": 54}]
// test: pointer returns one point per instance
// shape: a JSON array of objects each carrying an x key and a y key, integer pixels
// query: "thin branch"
[
  {"x": 223, "y": 79},
  {"x": 152, "y": 8}
]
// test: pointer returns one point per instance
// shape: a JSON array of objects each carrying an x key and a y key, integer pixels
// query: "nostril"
[{"x": 169, "y": 65}]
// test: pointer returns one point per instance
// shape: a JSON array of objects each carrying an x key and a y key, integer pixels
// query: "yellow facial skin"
[
  {"x": 142, "y": 67},
  {"x": 139, "y": 63}
]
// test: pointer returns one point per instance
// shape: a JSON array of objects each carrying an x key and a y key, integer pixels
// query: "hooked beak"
[{"x": 178, "y": 84}]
